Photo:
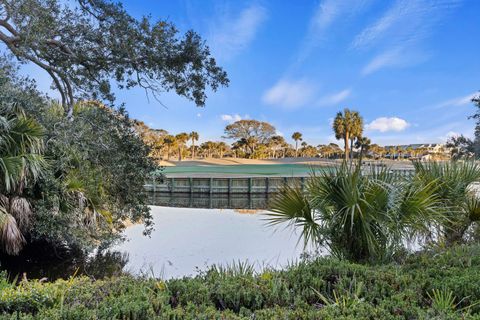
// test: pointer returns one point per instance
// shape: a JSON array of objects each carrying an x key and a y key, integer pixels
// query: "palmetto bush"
[
  {"x": 21, "y": 163},
  {"x": 454, "y": 187},
  {"x": 359, "y": 216}
]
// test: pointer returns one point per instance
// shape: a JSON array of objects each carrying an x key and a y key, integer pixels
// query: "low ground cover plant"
[{"x": 434, "y": 284}]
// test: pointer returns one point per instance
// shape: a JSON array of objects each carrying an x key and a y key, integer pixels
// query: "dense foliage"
[
  {"x": 21, "y": 165},
  {"x": 97, "y": 166},
  {"x": 456, "y": 187},
  {"x": 357, "y": 215},
  {"x": 84, "y": 44},
  {"x": 250, "y": 133},
  {"x": 430, "y": 285}
]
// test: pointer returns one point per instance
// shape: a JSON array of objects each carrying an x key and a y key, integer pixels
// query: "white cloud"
[
  {"x": 457, "y": 102},
  {"x": 233, "y": 34},
  {"x": 326, "y": 14},
  {"x": 405, "y": 21},
  {"x": 290, "y": 94},
  {"x": 399, "y": 31},
  {"x": 384, "y": 124},
  {"x": 388, "y": 58},
  {"x": 396, "y": 57},
  {"x": 233, "y": 117},
  {"x": 335, "y": 98}
]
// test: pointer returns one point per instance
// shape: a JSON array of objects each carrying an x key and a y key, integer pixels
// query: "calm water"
[{"x": 186, "y": 240}]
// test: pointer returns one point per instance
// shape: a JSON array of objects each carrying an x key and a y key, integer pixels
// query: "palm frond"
[
  {"x": 359, "y": 215},
  {"x": 21, "y": 210},
  {"x": 11, "y": 238},
  {"x": 292, "y": 207}
]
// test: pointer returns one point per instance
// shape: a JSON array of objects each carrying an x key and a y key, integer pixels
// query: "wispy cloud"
[
  {"x": 396, "y": 57},
  {"x": 400, "y": 30},
  {"x": 233, "y": 34},
  {"x": 405, "y": 21},
  {"x": 456, "y": 102},
  {"x": 233, "y": 117},
  {"x": 326, "y": 14},
  {"x": 335, "y": 98},
  {"x": 384, "y": 124},
  {"x": 290, "y": 93}
]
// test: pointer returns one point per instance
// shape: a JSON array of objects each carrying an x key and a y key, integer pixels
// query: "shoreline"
[{"x": 241, "y": 161}]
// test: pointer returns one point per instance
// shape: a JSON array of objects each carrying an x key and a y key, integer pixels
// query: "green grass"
[
  {"x": 247, "y": 169},
  {"x": 429, "y": 285}
]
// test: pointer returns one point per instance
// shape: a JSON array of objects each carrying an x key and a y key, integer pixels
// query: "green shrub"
[{"x": 422, "y": 287}]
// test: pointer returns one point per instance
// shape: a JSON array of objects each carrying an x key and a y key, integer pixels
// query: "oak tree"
[{"x": 88, "y": 45}]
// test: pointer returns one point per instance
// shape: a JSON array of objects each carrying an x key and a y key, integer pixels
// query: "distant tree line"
[{"x": 253, "y": 139}]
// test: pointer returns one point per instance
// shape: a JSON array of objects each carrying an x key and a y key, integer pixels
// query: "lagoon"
[{"x": 186, "y": 240}]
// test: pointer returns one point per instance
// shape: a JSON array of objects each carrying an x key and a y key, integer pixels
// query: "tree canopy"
[
  {"x": 251, "y": 132},
  {"x": 85, "y": 44},
  {"x": 348, "y": 126},
  {"x": 64, "y": 181}
]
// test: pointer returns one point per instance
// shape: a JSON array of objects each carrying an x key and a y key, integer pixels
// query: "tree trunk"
[
  {"x": 296, "y": 148},
  {"x": 179, "y": 153},
  {"x": 351, "y": 148},
  {"x": 346, "y": 140},
  {"x": 193, "y": 149}
]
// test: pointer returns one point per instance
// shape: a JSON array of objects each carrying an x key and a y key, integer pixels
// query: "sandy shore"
[{"x": 403, "y": 164}]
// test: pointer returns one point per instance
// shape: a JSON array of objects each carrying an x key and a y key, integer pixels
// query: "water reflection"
[
  {"x": 186, "y": 239},
  {"x": 209, "y": 201},
  {"x": 40, "y": 260}
]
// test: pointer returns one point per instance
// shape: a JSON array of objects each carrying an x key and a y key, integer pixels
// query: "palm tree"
[
  {"x": 21, "y": 163},
  {"x": 304, "y": 145},
  {"x": 297, "y": 136},
  {"x": 222, "y": 147},
  {"x": 410, "y": 151},
  {"x": 392, "y": 151},
  {"x": 400, "y": 152},
  {"x": 357, "y": 130},
  {"x": 209, "y": 148},
  {"x": 194, "y": 137},
  {"x": 459, "y": 197},
  {"x": 181, "y": 138},
  {"x": 364, "y": 144},
  {"x": 356, "y": 215},
  {"x": 275, "y": 143},
  {"x": 347, "y": 126},
  {"x": 170, "y": 142}
]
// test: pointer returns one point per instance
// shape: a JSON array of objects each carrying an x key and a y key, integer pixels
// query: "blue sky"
[{"x": 410, "y": 67}]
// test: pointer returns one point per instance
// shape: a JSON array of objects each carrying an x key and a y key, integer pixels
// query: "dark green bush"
[{"x": 322, "y": 288}]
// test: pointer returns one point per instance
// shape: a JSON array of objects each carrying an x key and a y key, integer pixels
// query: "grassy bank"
[{"x": 436, "y": 284}]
